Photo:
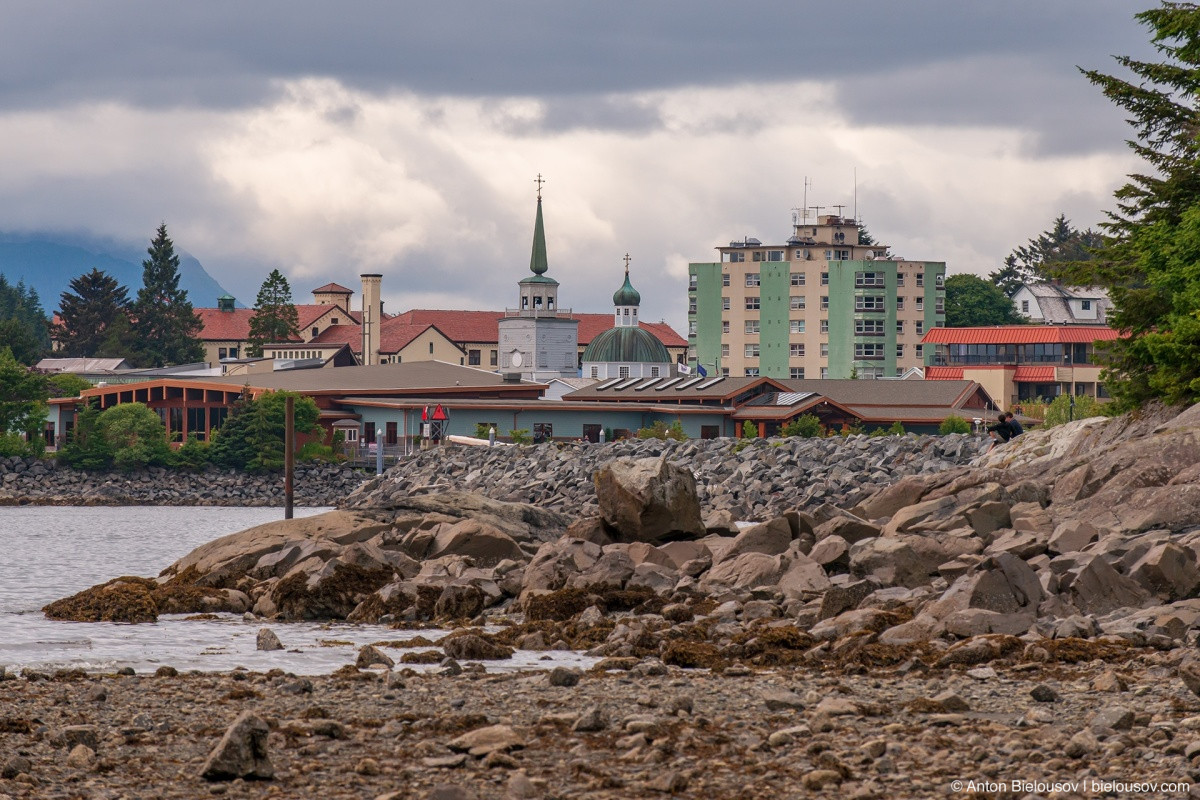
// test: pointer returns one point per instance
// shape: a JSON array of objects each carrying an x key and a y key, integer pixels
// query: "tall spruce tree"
[
  {"x": 165, "y": 327},
  {"x": 23, "y": 325},
  {"x": 275, "y": 318},
  {"x": 93, "y": 317},
  {"x": 1151, "y": 235}
]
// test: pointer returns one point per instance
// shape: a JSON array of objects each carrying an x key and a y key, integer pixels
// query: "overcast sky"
[{"x": 330, "y": 139}]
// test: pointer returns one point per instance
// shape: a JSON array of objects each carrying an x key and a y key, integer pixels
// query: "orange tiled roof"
[
  {"x": 394, "y": 335},
  {"x": 1040, "y": 374},
  {"x": 1021, "y": 334}
]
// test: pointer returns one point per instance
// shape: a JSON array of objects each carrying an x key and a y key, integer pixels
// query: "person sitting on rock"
[
  {"x": 1001, "y": 431},
  {"x": 1014, "y": 426}
]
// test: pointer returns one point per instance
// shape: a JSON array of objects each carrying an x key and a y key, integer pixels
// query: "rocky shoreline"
[
  {"x": 1032, "y": 615},
  {"x": 610, "y": 734},
  {"x": 33, "y": 481}
]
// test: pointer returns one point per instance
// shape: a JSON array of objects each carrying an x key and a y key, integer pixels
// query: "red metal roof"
[
  {"x": 943, "y": 373},
  {"x": 1040, "y": 374},
  {"x": 1021, "y": 334}
]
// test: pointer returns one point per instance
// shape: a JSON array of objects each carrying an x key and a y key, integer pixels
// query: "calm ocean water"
[{"x": 52, "y": 552}]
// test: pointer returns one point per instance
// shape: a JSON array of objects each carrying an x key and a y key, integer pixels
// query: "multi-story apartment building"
[{"x": 820, "y": 305}]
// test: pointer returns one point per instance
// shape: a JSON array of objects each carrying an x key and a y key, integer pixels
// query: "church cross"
[{"x": 539, "y": 180}]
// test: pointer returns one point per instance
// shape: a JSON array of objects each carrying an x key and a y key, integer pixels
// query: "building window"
[
  {"x": 233, "y": 352},
  {"x": 841, "y": 255},
  {"x": 595, "y": 372},
  {"x": 724, "y": 304},
  {"x": 315, "y": 331},
  {"x": 431, "y": 348},
  {"x": 862, "y": 279},
  {"x": 724, "y": 351},
  {"x": 899, "y": 327},
  {"x": 725, "y": 279},
  {"x": 870, "y": 373},
  {"x": 797, "y": 350},
  {"x": 692, "y": 281},
  {"x": 1086, "y": 305},
  {"x": 692, "y": 306},
  {"x": 824, "y": 302},
  {"x": 868, "y": 352},
  {"x": 797, "y": 302},
  {"x": 752, "y": 303},
  {"x": 920, "y": 327},
  {"x": 899, "y": 351},
  {"x": 692, "y": 328},
  {"x": 824, "y": 373},
  {"x": 797, "y": 279},
  {"x": 751, "y": 351},
  {"x": 654, "y": 372},
  {"x": 774, "y": 255},
  {"x": 939, "y": 280},
  {"x": 824, "y": 349},
  {"x": 736, "y": 258},
  {"x": 899, "y": 303},
  {"x": 473, "y": 358},
  {"x": 725, "y": 326},
  {"x": 920, "y": 279},
  {"x": 920, "y": 350},
  {"x": 724, "y": 372},
  {"x": 752, "y": 279},
  {"x": 751, "y": 372},
  {"x": 939, "y": 306},
  {"x": 494, "y": 360},
  {"x": 796, "y": 326},
  {"x": 752, "y": 326},
  {"x": 758, "y": 256},
  {"x": 920, "y": 304},
  {"x": 390, "y": 435},
  {"x": 334, "y": 321},
  {"x": 622, "y": 372},
  {"x": 824, "y": 326},
  {"x": 796, "y": 373},
  {"x": 868, "y": 327},
  {"x": 824, "y": 278},
  {"x": 870, "y": 302},
  {"x": 899, "y": 278},
  {"x": 222, "y": 353},
  {"x": 1024, "y": 306}
]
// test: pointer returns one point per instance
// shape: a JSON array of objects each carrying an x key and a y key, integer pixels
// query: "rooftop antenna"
[
  {"x": 804, "y": 205},
  {"x": 818, "y": 210},
  {"x": 856, "y": 194},
  {"x": 839, "y": 208}
]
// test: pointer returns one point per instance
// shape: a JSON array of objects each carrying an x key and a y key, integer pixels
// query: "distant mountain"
[{"x": 48, "y": 262}]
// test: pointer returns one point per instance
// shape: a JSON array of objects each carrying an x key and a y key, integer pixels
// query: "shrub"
[
  {"x": 192, "y": 454},
  {"x": 749, "y": 430},
  {"x": 805, "y": 425},
  {"x": 1059, "y": 411},
  {"x": 86, "y": 447},
  {"x": 954, "y": 424},
  {"x": 877, "y": 432},
  {"x": 520, "y": 436},
  {"x": 851, "y": 430},
  {"x": 896, "y": 429},
  {"x": 660, "y": 430},
  {"x": 12, "y": 444},
  {"x": 482, "y": 429},
  {"x": 316, "y": 451},
  {"x": 252, "y": 436},
  {"x": 136, "y": 436}
]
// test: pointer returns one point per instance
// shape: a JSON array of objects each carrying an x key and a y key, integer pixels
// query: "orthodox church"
[{"x": 626, "y": 350}]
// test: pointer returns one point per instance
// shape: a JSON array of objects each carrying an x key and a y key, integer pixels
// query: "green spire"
[
  {"x": 537, "y": 261},
  {"x": 627, "y": 295}
]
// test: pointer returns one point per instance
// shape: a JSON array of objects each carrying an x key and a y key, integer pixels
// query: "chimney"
[{"x": 372, "y": 311}]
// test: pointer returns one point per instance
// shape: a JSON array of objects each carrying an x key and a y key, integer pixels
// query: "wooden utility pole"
[{"x": 289, "y": 454}]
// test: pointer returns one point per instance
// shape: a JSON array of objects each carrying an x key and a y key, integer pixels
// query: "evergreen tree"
[
  {"x": 1061, "y": 246},
  {"x": 23, "y": 395},
  {"x": 93, "y": 317},
  {"x": 970, "y": 301},
  {"x": 1009, "y": 278},
  {"x": 1148, "y": 263},
  {"x": 864, "y": 235},
  {"x": 275, "y": 318},
  {"x": 230, "y": 445},
  {"x": 23, "y": 327},
  {"x": 86, "y": 446},
  {"x": 165, "y": 328}
]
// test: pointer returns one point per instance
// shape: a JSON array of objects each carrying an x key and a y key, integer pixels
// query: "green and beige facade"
[{"x": 821, "y": 305}]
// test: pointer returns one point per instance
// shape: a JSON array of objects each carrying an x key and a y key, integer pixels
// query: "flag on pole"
[
  {"x": 684, "y": 369},
  {"x": 703, "y": 372}
]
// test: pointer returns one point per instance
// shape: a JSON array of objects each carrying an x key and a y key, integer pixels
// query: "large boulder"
[
  {"x": 241, "y": 753},
  {"x": 648, "y": 500},
  {"x": 1169, "y": 571}
]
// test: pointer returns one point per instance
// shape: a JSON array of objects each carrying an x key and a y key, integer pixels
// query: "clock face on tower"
[{"x": 516, "y": 359}]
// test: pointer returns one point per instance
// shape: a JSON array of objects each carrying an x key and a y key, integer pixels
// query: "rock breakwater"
[
  {"x": 34, "y": 481},
  {"x": 751, "y": 478}
]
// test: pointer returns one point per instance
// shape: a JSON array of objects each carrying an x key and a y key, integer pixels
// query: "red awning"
[
  {"x": 1035, "y": 375},
  {"x": 943, "y": 373}
]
